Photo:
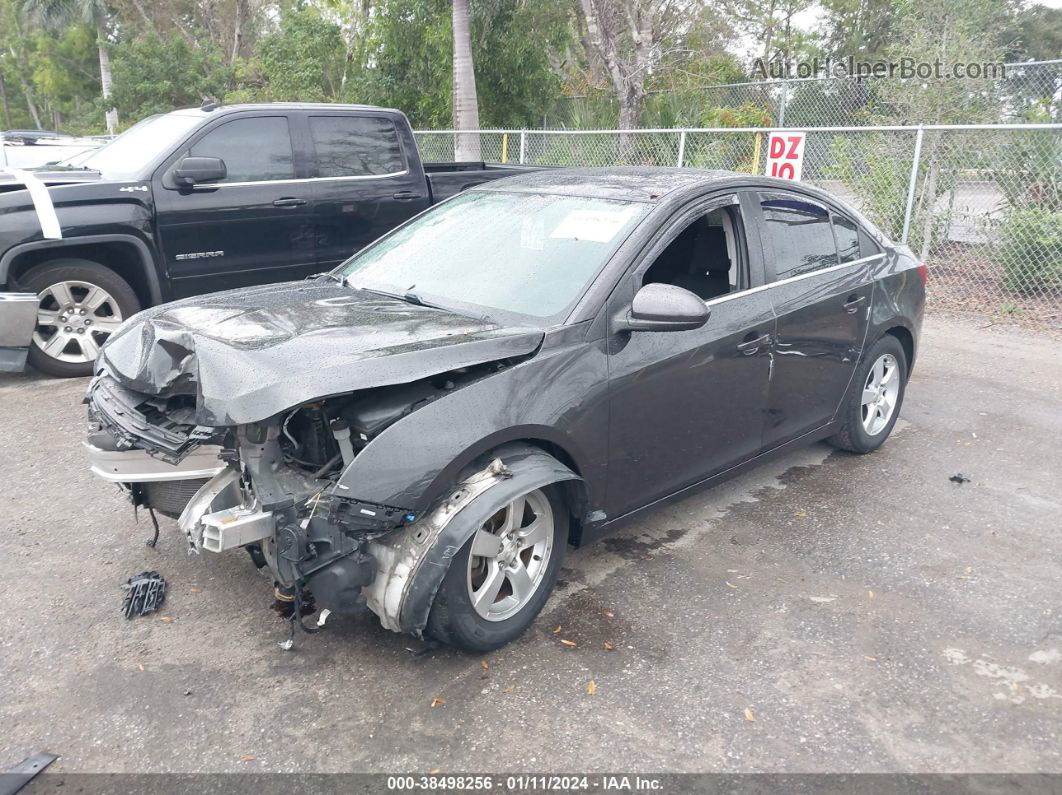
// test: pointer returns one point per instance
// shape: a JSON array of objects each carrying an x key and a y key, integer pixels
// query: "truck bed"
[{"x": 448, "y": 179}]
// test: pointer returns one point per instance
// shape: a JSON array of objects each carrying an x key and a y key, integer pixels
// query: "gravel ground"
[{"x": 825, "y": 612}]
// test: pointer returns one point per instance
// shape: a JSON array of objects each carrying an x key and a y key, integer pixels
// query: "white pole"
[{"x": 911, "y": 186}]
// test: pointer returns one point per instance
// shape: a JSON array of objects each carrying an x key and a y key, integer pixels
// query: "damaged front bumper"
[{"x": 18, "y": 319}]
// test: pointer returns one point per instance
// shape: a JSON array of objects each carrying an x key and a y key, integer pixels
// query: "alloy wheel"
[
  {"x": 880, "y": 393},
  {"x": 74, "y": 319},
  {"x": 509, "y": 557}
]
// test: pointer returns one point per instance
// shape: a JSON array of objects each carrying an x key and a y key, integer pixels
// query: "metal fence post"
[
  {"x": 682, "y": 148},
  {"x": 523, "y": 146},
  {"x": 781, "y": 107},
  {"x": 909, "y": 210}
]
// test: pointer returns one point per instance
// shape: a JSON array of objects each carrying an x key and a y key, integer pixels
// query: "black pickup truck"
[{"x": 205, "y": 199}]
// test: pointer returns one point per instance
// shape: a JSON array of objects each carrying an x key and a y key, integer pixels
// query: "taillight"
[{"x": 923, "y": 273}]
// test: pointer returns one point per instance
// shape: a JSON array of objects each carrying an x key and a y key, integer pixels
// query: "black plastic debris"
[
  {"x": 20, "y": 775},
  {"x": 144, "y": 594},
  {"x": 959, "y": 478}
]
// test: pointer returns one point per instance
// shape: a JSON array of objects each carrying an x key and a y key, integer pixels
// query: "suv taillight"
[{"x": 923, "y": 273}]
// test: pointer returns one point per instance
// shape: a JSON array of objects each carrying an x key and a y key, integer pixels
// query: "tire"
[
  {"x": 866, "y": 426},
  {"x": 84, "y": 303},
  {"x": 456, "y": 621}
]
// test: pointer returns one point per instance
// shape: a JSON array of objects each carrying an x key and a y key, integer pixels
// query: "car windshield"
[
  {"x": 518, "y": 253},
  {"x": 131, "y": 152}
]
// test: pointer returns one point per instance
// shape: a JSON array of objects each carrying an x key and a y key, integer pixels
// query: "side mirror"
[
  {"x": 664, "y": 307},
  {"x": 195, "y": 170}
]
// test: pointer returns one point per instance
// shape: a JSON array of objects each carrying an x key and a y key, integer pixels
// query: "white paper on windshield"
[{"x": 595, "y": 226}]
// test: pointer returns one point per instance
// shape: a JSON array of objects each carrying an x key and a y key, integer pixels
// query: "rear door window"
[
  {"x": 356, "y": 146},
  {"x": 799, "y": 233}
]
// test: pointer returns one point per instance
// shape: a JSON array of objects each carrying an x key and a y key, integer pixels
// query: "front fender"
[
  {"x": 412, "y": 563},
  {"x": 559, "y": 396}
]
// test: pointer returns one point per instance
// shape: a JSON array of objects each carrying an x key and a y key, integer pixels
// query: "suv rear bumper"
[{"x": 18, "y": 319}]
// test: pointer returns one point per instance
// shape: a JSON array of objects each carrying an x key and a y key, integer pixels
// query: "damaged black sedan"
[{"x": 426, "y": 429}]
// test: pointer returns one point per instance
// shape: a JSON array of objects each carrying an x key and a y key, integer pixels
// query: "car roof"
[
  {"x": 275, "y": 106},
  {"x": 630, "y": 183}
]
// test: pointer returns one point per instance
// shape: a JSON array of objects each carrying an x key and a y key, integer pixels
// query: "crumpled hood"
[{"x": 249, "y": 354}]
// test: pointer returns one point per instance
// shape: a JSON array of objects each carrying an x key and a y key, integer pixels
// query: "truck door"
[
  {"x": 366, "y": 182},
  {"x": 253, "y": 227}
]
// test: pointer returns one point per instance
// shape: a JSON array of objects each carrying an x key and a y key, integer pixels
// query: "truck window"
[
  {"x": 355, "y": 146},
  {"x": 254, "y": 150}
]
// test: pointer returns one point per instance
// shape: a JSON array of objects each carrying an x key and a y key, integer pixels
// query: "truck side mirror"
[{"x": 196, "y": 170}]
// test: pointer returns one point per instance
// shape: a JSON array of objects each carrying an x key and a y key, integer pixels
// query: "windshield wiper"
[{"x": 412, "y": 298}]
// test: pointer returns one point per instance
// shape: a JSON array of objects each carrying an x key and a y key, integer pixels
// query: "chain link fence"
[{"x": 981, "y": 205}]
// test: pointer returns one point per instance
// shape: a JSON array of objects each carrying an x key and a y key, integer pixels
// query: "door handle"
[
  {"x": 406, "y": 196},
  {"x": 749, "y": 347},
  {"x": 853, "y": 304},
  {"x": 289, "y": 201}
]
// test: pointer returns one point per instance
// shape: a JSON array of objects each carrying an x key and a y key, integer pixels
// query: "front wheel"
[
  {"x": 81, "y": 304},
  {"x": 504, "y": 573},
  {"x": 873, "y": 404}
]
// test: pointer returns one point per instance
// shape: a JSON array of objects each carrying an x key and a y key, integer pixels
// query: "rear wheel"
[
  {"x": 504, "y": 573},
  {"x": 81, "y": 304},
  {"x": 873, "y": 403}
]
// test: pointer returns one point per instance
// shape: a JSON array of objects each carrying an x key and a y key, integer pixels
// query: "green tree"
[
  {"x": 56, "y": 14},
  {"x": 304, "y": 59},
  {"x": 155, "y": 75}
]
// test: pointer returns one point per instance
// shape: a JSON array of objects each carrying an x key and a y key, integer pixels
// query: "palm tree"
[
  {"x": 466, "y": 105},
  {"x": 57, "y": 13}
]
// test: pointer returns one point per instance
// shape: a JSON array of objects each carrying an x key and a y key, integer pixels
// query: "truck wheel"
[
  {"x": 503, "y": 575},
  {"x": 81, "y": 304}
]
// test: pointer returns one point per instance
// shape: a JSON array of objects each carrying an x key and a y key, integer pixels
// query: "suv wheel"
[{"x": 81, "y": 304}]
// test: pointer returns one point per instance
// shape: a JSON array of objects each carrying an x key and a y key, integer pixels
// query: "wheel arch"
[
  {"x": 531, "y": 437},
  {"x": 126, "y": 255},
  {"x": 907, "y": 340}
]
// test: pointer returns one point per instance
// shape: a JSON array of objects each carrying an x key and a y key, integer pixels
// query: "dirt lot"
[{"x": 824, "y": 613}]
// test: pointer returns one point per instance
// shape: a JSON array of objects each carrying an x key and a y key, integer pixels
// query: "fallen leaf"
[
  {"x": 801, "y": 514},
  {"x": 568, "y": 642},
  {"x": 868, "y": 657},
  {"x": 437, "y": 702},
  {"x": 609, "y": 614},
  {"x": 195, "y": 590},
  {"x": 509, "y": 689},
  {"x": 140, "y": 666},
  {"x": 591, "y": 687},
  {"x": 484, "y": 665},
  {"x": 166, "y": 619},
  {"x": 749, "y": 715},
  {"x": 435, "y": 771},
  {"x": 730, "y": 584},
  {"x": 248, "y": 758},
  {"x": 609, "y": 646},
  {"x": 556, "y": 630}
]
